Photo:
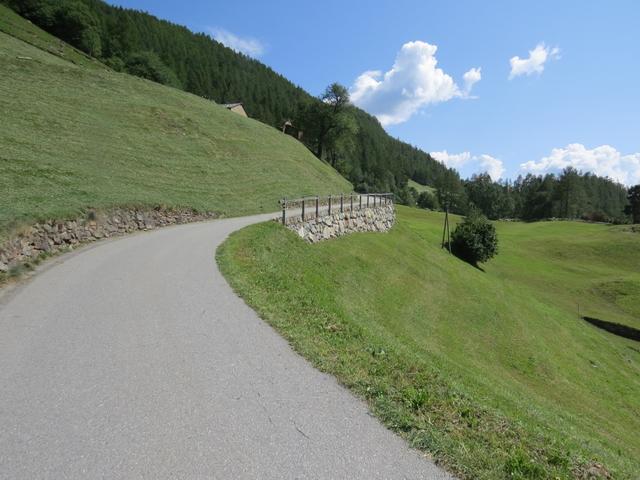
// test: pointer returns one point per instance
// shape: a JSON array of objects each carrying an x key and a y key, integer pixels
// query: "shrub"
[
  {"x": 115, "y": 63},
  {"x": 406, "y": 196},
  {"x": 475, "y": 239},
  {"x": 149, "y": 65},
  {"x": 428, "y": 200},
  {"x": 596, "y": 216}
]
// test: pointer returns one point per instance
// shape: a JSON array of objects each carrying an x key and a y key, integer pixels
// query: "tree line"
[
  {"x": 135, "y": 42},
  {"x": 570, "y": 194}
]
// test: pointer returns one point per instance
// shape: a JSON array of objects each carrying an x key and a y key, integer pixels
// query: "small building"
[
  {"x": 236, "y": 108},
  {"x": 289, "y": 129}
]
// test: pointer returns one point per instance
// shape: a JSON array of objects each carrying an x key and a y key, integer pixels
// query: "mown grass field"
[
  {"x": 76, "y": 135},
  {"x": 420, "y": 188},
  {"x": 492, "y": 372}
]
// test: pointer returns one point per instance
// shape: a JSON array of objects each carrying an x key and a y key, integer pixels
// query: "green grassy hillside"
[
  {"x": 491, "y": 372},
  {"x": 77, "y": 135},
  {"x": 419, "y": 187}
]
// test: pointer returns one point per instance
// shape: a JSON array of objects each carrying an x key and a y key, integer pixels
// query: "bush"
[
  {"x": 475, "y": 239},
  {"x": 406, "y": 196},
  {"x": 428, "y": 200},
  {"x": 115, "y": 63},
  {"x": 149, "y": 65},
  {"x": 596, "y": 216}
]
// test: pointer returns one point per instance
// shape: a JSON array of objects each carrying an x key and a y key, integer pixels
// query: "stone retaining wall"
[
  {"x": 375, "y": 219},
  {"x": 55, "y": 236}
]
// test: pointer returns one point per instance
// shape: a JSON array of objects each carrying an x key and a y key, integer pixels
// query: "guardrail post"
[
  {"x": 317, "y": 206},
  {"x": 374, "y": 201},
  {"x": 284, "y": 211},
  {"x": 341, "y": 202},
  {"x": 329, "y": 204},
  {"x": 367, "y": 200},
  {"x": 351, "y": 198},
  {"x": 360, "y": 197},
  {"x": 303, "y": 202}
]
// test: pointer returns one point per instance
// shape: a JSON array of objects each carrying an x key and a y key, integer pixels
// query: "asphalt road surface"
[{"x": 133, "y": 358}]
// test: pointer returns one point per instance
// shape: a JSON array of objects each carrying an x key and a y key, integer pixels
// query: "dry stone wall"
[
  {"x": 375, "y": 219},
  {"x": 55, "y": 236}
]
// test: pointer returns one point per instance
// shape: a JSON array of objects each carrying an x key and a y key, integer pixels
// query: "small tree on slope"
[{"x": 475, "y": 239}]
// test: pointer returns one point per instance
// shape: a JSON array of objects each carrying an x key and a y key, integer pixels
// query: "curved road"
[{"x": 133, "y": 358}]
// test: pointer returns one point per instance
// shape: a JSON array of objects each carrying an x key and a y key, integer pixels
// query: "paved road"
[{"x": 134, "y": 359}]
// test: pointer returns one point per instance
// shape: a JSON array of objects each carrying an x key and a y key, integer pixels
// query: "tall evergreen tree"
[{"x": 633, "y": 195}]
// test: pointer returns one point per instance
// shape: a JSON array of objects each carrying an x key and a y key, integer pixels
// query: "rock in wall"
[
  {"x": 375, "y": 219},
  {"x": 54, "y": 236}
]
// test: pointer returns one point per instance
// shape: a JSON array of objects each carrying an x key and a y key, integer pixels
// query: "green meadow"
[
  {"x": 420, "y": 188},
  {"x": 492, "y": 371}
]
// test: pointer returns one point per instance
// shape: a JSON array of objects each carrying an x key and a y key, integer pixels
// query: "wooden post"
[
  {"x": 317, "y": 206},
  {"x": 374, "y": 200},
  {"x": 448, "y": 232},
  {"x": 329, "y": 204},
  {"x": 351, "y": 201},
  {"x": 367, "y": 200},
  {"x": 284, "y": 211},
  {"x": 341, "y": 202},
  {"x": 303, "y": 209},
  {"x": 444, "y": 227},
  {"x": 360, "y": 196}
]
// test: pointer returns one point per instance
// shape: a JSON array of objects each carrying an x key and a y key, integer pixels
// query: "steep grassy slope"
[
  {"x": 77, "y": 135},
  {"x": 420, "y": 188},
  {"x": 14, "y": 25},
  {"x": 492, "y": 372}
]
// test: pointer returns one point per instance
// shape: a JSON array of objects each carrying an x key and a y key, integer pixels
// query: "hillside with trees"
[
  {"x": 346, "y": 137},
  {"x": 78, "y": 136},
  {"x": 143, "y": 45}
]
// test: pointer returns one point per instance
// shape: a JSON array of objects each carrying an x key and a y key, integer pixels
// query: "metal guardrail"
[{"x": 316, "y": 206}]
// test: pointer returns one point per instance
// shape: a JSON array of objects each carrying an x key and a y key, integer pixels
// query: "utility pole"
[{"x": 445, "y": 230}]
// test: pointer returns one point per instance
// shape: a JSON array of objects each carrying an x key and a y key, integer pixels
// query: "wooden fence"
[{"x": 314, "y": 207}]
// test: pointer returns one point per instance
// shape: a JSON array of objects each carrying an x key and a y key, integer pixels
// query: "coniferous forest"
[{"x": 350, "y": 139}]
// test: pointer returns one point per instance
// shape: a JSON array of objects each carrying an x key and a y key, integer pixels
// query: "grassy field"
[
  {"x": 14, "y": 25},
  {"x": 76, "y": 135},
  {"x": 420, "y": 188},
  {"x": 492, "y": 372}
]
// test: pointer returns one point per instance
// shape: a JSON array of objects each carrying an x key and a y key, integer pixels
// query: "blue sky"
[{"x": 573, "y": 101}]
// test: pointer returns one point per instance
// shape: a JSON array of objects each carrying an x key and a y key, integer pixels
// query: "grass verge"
[{"x": 492, "y": 373}]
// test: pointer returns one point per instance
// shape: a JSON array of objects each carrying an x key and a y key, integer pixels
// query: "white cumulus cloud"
[
  {"x": 604, "y": 160},
  {"x": 452, "y": 160},
  {"x": 535, "y": 63},
  {"x": 247, "y": 45},
  {"x": 493, "y": 166},
  {"x": 470, "y": 78},
  {"x": 413, "y": 82},
  {"x": 476, "y": 163}
]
